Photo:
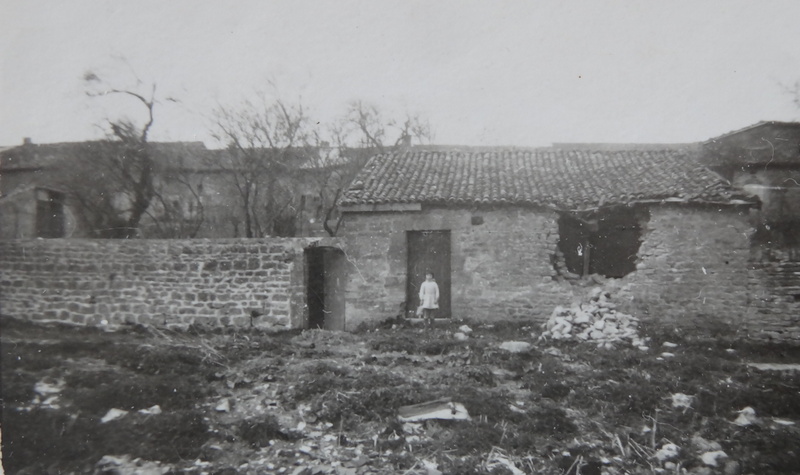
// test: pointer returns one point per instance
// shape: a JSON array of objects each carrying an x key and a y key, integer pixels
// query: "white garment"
[{"x": 429, "y": 294}]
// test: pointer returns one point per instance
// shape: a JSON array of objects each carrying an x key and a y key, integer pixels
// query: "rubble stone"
[{"x": 596, "y": 320}]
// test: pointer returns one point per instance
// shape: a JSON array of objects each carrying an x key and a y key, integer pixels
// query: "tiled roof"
[
  {"x": 562, "y": 179},
  {"x": 757, "y": 125}
]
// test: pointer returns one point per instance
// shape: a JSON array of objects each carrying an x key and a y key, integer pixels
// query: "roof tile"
[{"x": 558, "y": 178}]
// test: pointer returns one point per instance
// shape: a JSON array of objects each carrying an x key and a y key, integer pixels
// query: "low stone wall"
[{"x": 156, "y": 281}]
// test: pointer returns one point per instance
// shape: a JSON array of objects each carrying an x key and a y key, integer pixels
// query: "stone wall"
[
  {"x": 774, "y": 284},
  {"x": 500, "y": 269},
  {"x": 695, "y": 269},
  {"x": 156, "y": 281}
]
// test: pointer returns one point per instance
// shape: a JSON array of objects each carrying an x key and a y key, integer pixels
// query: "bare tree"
[
  {"x": 118, "y": 184},
  {"x": 112, "y": 180},
  {"x": 360, "y": 134},
  {"x": 264, "y": 140},
  {"x": 177, "y": 210}
]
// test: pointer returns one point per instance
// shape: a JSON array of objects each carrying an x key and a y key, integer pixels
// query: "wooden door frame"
[{"x": 445, "y": 282}]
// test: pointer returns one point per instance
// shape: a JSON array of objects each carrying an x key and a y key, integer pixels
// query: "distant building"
[
  {"x": 763, "y": 159},
  {"x": 197, "y": 193}
]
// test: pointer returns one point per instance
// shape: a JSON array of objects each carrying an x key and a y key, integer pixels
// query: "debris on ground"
[
  {"x": 497, "y": 459},
  {"x": 442, "y": 409},
  {"x": 667, "y": 452},
  {"x": 747, "y": 417},
  {"x": 113, "y": 414},
  {"x": 681, "y": 401},
  {"x": 223, "y": 406},
  {"x": 712, "y": 459},
  {"x": 597, "y": 321},
  {"x": 395, "y": 401},
  {"x": 703, "y": 445},
  {"x": 515, "y": 346},
  {"x": 124, "y": 465}
]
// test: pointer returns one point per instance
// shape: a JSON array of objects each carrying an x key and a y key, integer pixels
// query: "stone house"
[
  {"x": 511, "y": 233},
  {"x": 764, "y": 159}
]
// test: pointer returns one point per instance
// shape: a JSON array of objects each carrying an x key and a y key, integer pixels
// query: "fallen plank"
[{"x": 443, "y": 409}]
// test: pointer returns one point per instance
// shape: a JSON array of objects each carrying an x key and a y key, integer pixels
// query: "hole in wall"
[{"x": 604, "y": 242}]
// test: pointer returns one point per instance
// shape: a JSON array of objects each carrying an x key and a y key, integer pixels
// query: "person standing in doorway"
[{"x": 429, "y": 297}]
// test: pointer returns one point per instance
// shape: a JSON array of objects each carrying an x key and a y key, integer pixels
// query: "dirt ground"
[{"x": 151, "y": 400}]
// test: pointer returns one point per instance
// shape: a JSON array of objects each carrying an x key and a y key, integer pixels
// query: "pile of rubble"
[{"x": 596, "y": 321}]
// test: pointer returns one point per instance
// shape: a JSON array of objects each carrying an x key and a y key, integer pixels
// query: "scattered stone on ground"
[
  {"x": 223, "y": 406},
  {"x": 113, "y": 414},
  {"x": 151, "y": 411},
  {"x": 124, "y": 465},
  {"x": 681, "y": 401},
  {"x": 713, "y": 458},
  {"x": 597, "y": 321},
  {"x": 515, "y": 346},
  {"x": 747, "y": 417},
  {"x": 667, "y": 452},
  {"x": 704, "y": 445},
  {"x": 774, "y": 366}
]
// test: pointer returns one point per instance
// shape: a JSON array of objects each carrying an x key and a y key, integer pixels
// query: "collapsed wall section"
[{"x": 221, "y": 282}]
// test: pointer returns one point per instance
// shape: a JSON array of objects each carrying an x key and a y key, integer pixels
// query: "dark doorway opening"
[
  {"x": 49, "y": 213},
  {"x": 325, "y": 281},
  {"x": 428, "y": 251},
  {"x": 606, "y": 242}
]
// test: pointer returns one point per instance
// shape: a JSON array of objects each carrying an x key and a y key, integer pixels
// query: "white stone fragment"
[
  {"x": 681, "y": 401},
  {"x": 46, "y": 388},
  {"x": 667, "y": 452},
  {"x": 747, "y": 416},
  {"x": 515, "y": 346},
  {"x": 712, "y": 458},
  {"x": 223, "y": 406},
  {"x": 113, "y": 414}
]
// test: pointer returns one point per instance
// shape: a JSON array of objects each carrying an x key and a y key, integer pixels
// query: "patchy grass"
[{"x": 242, "y": 400}]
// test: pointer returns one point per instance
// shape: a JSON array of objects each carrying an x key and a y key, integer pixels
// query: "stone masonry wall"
[
  {"x": 692, "y": 271},
  {"x": 774, "y": 284},
  {"x": 155, "y": 281},
  {"x": 695, "y": 270},
  {"x": 500, "y": 269}
]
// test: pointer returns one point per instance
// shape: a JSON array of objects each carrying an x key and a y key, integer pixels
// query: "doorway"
[
  {"x": 325, "y": 281},
  {"x": 428, "y": 251}
]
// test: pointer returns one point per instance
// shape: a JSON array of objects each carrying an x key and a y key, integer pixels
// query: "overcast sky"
[{"x": 484, "y": 73}]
